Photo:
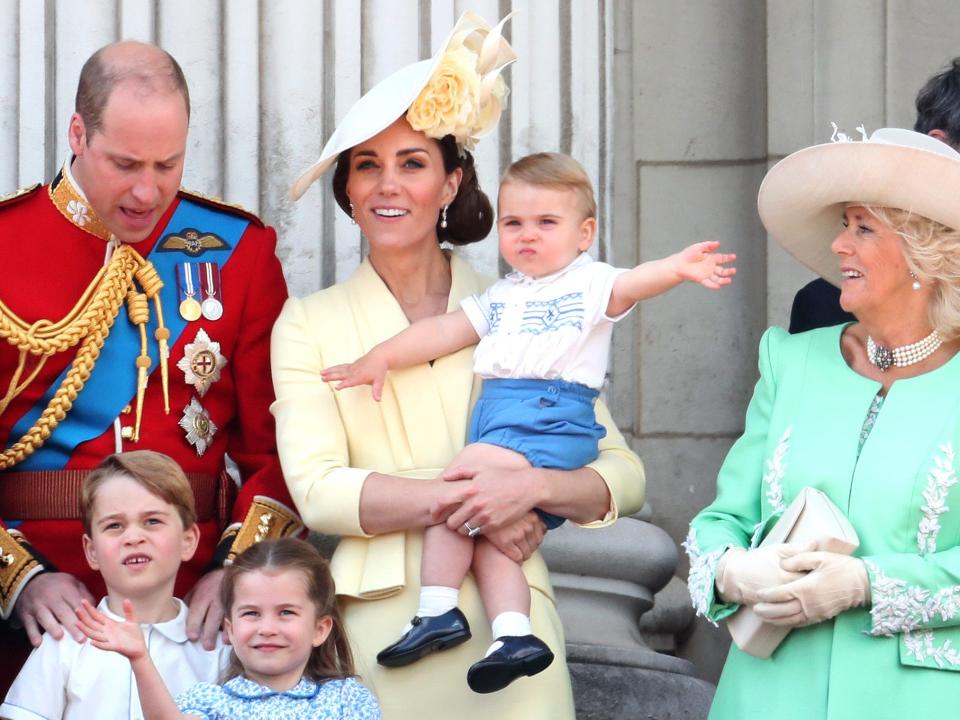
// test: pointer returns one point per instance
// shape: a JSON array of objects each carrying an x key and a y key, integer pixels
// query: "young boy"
[
  {"x": 544, "y": 335},
  {"x": 139, "y": 520}
]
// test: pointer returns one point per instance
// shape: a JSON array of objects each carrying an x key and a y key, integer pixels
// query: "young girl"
[
  {"x": 291, "y": 658},
  {"x": 544, "y": 337}
]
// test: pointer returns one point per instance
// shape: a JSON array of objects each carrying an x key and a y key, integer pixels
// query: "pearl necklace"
[{"x": 884, "y": 357}]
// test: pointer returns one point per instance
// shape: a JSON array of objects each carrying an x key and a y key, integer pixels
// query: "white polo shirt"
[
  {"x": 546, "y": 328},
  {"x": 76, "y": 681}
]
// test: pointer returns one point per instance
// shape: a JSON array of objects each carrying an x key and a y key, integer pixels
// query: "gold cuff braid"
[
  {"x": 87, "y": 324},
  {"x": 266, "y": 519},
  {"x": 17, "y": 566}
]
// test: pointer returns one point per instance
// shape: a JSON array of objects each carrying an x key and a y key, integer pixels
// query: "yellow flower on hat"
[
  {"x": 465, "y": 95},
  {"x": 449, "y": 104}
]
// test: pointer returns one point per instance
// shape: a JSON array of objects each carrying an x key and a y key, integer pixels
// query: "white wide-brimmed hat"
[
  {"x": 457, "y": 92},
  {"x": 802, "y": 198}
]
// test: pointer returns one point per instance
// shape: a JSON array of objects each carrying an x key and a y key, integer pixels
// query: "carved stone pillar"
[{"x": 617, "y": 597}]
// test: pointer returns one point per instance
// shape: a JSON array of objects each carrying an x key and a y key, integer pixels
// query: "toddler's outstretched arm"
[
  {"x": 126, "y": 638},
  {"x": 697, "y": 263},
  {"x": 423, "y": 341}
]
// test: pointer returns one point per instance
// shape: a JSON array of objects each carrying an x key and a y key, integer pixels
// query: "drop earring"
[
  {"x": 916, "y": 281},
  {"x": 443, "y": 217},
  {"x": 353, "y": 215}
]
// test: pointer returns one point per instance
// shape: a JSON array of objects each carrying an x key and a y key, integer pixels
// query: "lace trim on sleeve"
[
  {"x": 703, "y": 571},
  {"x": 900, "y": 608},
  {"x": 921, "y": 646}
]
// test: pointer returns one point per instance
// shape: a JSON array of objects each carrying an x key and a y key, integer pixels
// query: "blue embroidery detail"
[
  {"x": 495, "y": 315},
  {"x": 542, "y": 316}
]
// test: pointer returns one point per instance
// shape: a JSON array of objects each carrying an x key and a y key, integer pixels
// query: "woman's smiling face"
[
  {"x": 874, "y": 273},
  {"x": 397, "y": 185}
]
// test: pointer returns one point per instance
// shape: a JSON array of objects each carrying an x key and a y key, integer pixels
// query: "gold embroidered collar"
[{"x": 72, "y": 204}]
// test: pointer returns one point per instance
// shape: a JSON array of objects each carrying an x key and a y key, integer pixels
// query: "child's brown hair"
[
  {"x": 330, "y": 660},
  {"x": 155, "y": 471}
]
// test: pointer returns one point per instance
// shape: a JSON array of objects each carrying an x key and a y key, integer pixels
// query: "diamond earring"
[
  {"x": 443, "y": 217},
  {"x": 353, "y": 215}
]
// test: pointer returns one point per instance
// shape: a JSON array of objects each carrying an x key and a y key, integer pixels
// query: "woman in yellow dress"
[{"x": 371, "y": 471}]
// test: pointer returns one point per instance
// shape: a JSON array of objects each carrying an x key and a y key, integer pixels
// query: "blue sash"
[{"x": 113, "y": 381}]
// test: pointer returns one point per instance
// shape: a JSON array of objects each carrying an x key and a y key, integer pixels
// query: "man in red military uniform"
[{"x": 135, "y": 315}]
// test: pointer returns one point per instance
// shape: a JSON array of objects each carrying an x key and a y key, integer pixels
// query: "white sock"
[
  {"x": 508, "y": 623},
  {"x": 435, "y": 600}
]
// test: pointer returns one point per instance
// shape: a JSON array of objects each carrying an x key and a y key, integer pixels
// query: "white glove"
[
  {"x": 741, "y": 574},
  {"x": 831, "y": 584}
]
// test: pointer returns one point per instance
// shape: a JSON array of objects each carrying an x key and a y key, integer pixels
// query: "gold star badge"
[
  {"x": 202, "y": 362},
  {"x": 199, "y": 427}
]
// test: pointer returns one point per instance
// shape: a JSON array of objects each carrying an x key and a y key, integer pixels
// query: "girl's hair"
[
  {"x": 930, "y": 250},
  {"x": 333, "y": 658},
  {"x": 469, "y": 216}
]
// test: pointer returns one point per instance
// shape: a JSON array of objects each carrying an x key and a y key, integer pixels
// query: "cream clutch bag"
[{"x": 811, "y": 516}]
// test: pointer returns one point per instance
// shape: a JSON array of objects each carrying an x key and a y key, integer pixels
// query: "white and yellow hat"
[
  {"x": 459, "y": 92},
  {"x": 801, "y": 200}
]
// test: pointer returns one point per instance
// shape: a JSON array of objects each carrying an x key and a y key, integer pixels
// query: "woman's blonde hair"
[{"x": 932, "y": 252}]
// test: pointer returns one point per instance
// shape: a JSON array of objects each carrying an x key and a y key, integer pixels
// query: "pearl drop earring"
[
  {"x": 443, "y": 217},
  {"x": 916, "y": 281}
]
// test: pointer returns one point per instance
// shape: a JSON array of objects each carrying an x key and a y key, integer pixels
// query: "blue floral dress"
[{"x": 242, "y": 698}]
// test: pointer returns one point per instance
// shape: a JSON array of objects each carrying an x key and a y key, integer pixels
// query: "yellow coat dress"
[{"x": 330, "y": 442}]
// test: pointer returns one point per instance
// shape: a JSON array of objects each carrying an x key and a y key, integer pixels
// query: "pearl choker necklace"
[{"x": 885, "y": 358}]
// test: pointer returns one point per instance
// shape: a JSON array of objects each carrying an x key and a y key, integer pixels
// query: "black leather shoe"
[
  {"x": 519, "y": 656},
  {"x": 426, "y": 635}
]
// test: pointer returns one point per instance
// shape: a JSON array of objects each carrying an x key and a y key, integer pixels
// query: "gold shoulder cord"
[{"x": 87, "y": 324}]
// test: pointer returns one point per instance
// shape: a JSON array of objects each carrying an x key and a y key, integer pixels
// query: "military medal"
[
  {"x": 199, "y": 427},
  {"x": 202, "y": 362},
  {"x": 189, "y": 308},
  {"x": 212, "y": 308}
]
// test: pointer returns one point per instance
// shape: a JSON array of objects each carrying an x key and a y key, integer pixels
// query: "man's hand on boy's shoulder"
[
  {"x": 204, "y": 611},
  {"x": 47, "y": 604}
]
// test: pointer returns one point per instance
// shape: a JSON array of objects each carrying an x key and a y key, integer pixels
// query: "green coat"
[{"x": 898, "y": 658}]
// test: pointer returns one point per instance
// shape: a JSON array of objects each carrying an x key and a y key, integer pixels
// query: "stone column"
[{"x": 606, "y": 580}]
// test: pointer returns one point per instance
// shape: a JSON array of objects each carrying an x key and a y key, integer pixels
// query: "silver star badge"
[
  {"x": 199, "y": 427},
  {"x": 202, "y": 362}
]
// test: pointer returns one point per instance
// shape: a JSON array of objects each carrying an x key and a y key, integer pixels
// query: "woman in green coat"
[{"x": 869, "y": 414}]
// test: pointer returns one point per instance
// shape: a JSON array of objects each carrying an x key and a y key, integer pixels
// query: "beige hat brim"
[
  {"x": 373, "y": 113},
  {"x": 802, "y": 198}
]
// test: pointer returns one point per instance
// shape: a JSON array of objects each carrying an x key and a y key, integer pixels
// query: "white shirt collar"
[
  {"x": 174, "y": 630},
  {"x": 579, "y": 261}
]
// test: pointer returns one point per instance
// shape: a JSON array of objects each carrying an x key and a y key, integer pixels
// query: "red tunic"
[{"x": 47, "y": 260}]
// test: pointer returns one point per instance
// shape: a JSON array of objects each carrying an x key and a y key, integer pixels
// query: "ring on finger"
[{"x": 472, "y": 531}]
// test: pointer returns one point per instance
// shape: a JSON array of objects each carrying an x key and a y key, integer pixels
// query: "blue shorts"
[{"x": 550, "y": 422}]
